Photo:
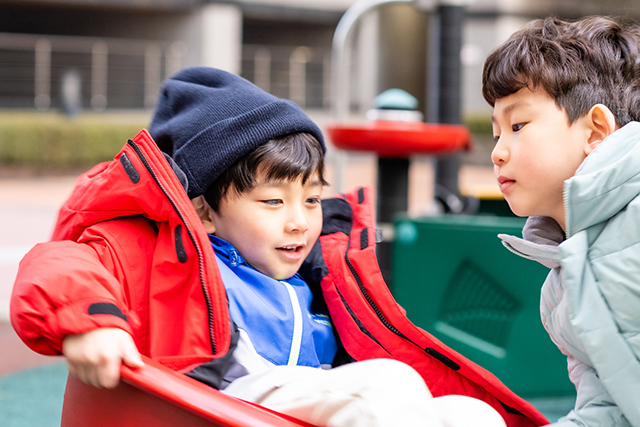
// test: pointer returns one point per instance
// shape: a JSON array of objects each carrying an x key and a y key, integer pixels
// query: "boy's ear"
[
  {"x": 601, "y": 123},
  {"x": 204, "y": 212}
]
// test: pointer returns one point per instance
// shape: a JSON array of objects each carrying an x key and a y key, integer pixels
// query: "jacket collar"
[
  {"x": 227, "y": 251},
  {"x": 542, "y": 238},
  {"x": 606, "y": 182}
]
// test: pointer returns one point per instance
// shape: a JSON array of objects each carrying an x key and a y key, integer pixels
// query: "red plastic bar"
[
  {"x": 159, "y": 397},
  {"x": 399, "y": 139}
]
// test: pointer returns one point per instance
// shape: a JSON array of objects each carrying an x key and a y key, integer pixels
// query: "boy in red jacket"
[{"x": 131, "y": 268}]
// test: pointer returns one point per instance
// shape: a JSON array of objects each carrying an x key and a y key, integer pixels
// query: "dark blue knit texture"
[{"x": 207, "y": 119}]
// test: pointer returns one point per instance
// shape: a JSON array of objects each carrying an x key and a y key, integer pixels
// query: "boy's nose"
[
  {"x": 297, "y": 221},
  {"x": 500, "y": 154}
]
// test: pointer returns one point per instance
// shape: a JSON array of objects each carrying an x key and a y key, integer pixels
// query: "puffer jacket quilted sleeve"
[{"x": 90, "y": 296}]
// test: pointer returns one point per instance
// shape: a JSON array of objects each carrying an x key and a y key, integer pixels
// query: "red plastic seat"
[
  {"x": 399, "y": 139},
  {"x": 156, "y": 396}
]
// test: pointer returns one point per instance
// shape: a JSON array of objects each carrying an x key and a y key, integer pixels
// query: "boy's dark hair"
[
  {"x": 578, "y": 64},
  {"x": 288, "y": 158}
]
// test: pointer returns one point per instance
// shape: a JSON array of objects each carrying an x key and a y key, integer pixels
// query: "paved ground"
[
  {"x": 31, "y": 385},
  {"x": 27, "y": 207}
]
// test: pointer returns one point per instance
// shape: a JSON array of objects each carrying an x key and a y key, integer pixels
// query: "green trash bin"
[{"x": 457, "y": 281}]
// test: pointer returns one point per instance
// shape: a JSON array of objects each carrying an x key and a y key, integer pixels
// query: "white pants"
[{"x": 372, "y": 393}]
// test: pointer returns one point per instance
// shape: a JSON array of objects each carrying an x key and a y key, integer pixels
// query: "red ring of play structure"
[
  {"x": 399, "y": 139},
  {"x": 155, "y": 396}
]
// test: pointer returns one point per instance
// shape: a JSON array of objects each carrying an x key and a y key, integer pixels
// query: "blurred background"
[{"x": 80, "y": 77}]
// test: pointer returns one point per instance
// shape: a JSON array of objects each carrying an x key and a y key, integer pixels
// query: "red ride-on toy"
[{"x": 155, "y": 396}]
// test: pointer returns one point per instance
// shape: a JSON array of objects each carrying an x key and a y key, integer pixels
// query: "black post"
[
  {"x": 393, "y": 187},
  {"x": 403, "y": 47},
  {"x": 393, "y": 197},
  {"x": 451, "y": 23}
]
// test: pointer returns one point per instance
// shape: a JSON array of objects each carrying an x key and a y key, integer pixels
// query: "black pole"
[
  {"x": 403, "y": 43},
  {"x": 451, "y": 23},
  {"x": 393, "y": 187},
  {"x": 393, "y": 197}
]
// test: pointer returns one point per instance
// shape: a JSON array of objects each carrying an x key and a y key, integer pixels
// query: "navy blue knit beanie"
[{"x": 206, "y": 119}]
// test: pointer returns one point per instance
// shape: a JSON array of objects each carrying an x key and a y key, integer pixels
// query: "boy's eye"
[
  {"x": 517, "y": 127},
  {"x": 272, "y": 202},
  {"x": 314, "y": 200}
]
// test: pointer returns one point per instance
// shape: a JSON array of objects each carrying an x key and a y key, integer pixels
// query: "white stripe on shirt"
[{"x": 296, "y": 340}]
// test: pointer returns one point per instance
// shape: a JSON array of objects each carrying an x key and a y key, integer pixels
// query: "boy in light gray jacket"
[{"x": 566, "y": 98}]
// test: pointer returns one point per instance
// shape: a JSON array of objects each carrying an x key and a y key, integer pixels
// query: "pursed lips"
[{"x": 504, "y": 183}]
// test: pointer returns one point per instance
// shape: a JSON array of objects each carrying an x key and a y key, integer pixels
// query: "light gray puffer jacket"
[{"x": 590, "y": 301}]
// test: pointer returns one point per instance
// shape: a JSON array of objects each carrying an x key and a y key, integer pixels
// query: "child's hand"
[{"x": 94, "y": 357}]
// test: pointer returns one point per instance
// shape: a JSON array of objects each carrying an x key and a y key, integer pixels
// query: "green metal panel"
[{"x": 457, "y": 281}]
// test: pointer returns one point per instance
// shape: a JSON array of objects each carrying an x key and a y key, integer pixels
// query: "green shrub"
[
  {"x": 53, "y": 141},
  {"x": 479, "y": 124}
]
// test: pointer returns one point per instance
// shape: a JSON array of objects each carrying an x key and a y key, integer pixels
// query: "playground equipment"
[
  {"x": 395, "y": 134},
  {"x": 155, "y": 396},
  {"x": 394, "y": 141},
  {"x": 478, "y": 298}
]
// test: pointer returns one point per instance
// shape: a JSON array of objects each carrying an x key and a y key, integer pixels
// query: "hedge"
[
  {"x": 479, "y": 124},
  {"x": 53, "y": 141}
]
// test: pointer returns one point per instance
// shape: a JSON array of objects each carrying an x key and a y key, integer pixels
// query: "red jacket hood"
[{"x": 133, "y": 184}]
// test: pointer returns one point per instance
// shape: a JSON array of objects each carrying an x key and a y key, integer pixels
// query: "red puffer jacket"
[{"x": 130, "y": 251}]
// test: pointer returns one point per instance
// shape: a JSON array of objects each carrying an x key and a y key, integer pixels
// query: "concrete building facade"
[{"x": 115, "y": 53}]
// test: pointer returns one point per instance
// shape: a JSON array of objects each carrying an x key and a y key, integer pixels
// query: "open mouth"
[{"x": 290, "y": 248}]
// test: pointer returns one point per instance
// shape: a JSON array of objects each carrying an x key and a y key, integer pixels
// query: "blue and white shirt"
[{"x": 277, "y": 326}]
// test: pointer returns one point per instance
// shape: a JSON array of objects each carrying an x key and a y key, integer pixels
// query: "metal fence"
[
  {"x": 43, "y": 71},
  {"x": 35, "y": 71},
  {"x": 298, "y": 73}
]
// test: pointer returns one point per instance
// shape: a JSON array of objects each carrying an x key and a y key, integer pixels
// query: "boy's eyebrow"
[
  {"x": 315, "y": 183},
  {"x": 509, "y": 108},
  {"x": 284, "y": 183}
]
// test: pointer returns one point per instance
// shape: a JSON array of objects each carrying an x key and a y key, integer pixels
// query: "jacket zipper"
[
  {"x": 372, "y": 303},
  {"x": 567, "y": 211},
  {"x": 207, "y": 297},
  {"x": 430, "y": 351}
]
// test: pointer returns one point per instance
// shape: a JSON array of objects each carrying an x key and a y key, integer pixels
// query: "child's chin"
[
  {"x": 520, "y": 213},
  {"x": 283, "y": 275},
  {"x": 517, "y": 211}
]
